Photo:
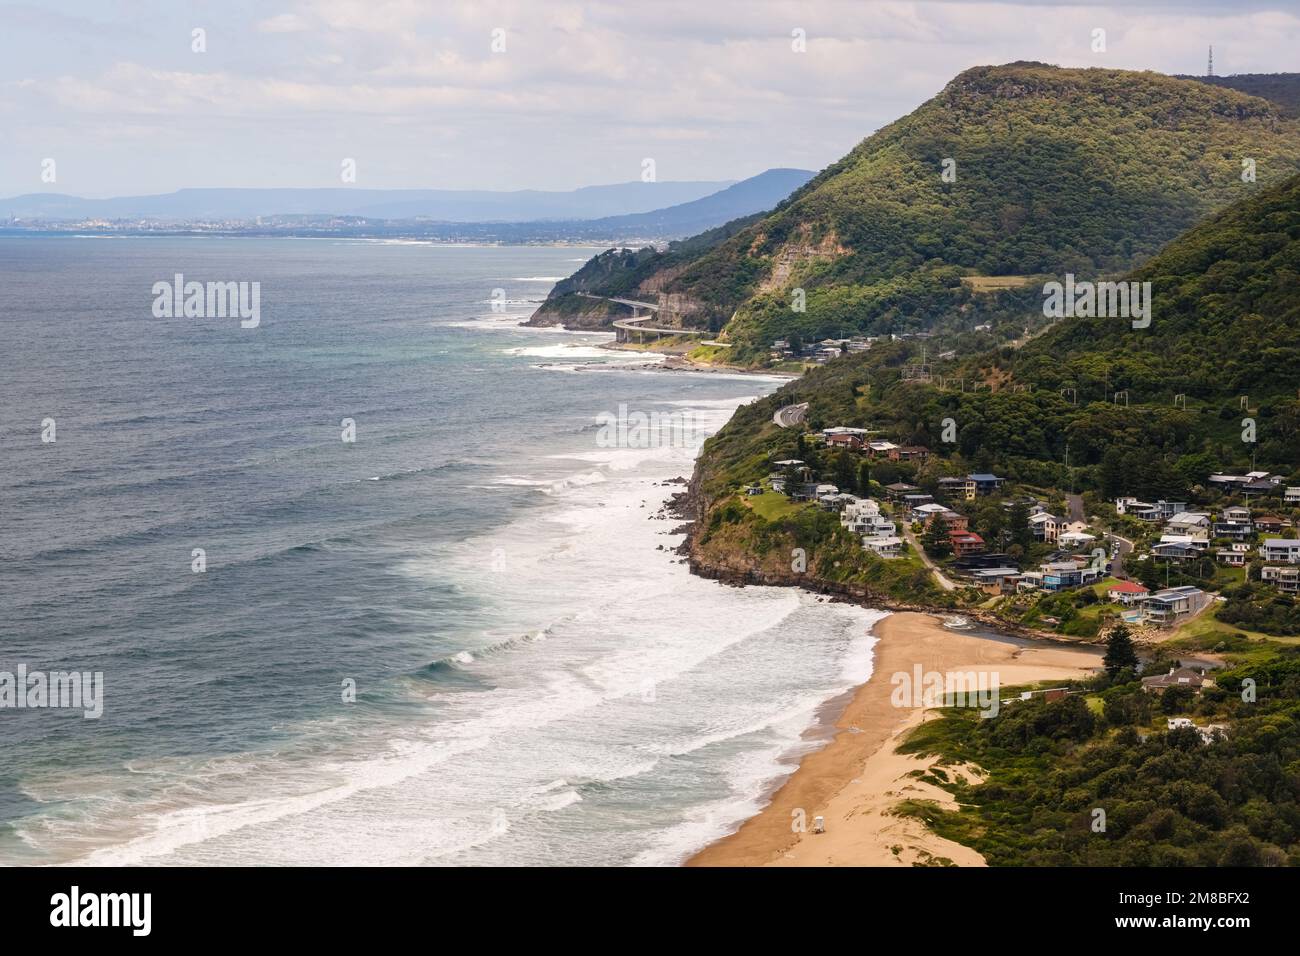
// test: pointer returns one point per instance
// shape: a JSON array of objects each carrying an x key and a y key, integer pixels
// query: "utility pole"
[{"x": 1209, "y": 69}]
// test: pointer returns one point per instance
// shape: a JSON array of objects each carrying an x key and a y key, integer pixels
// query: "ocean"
[{"x": 370, "y": 582}]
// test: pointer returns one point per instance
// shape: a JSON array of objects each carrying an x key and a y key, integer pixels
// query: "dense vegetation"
[
  {"x": 1226, "y": 324},
  {"x": 1168, "y": 797},
  {"x": 1280, "y": 88},
  {"x": 1057, "y": 170}
]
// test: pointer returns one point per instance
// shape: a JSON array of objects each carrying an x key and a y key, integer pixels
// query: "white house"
[
  {"x": 1292, "y": 496},
  {"x": 1045, "y": 526},
  {"x": 1283, "y": 578},
  {"x": 1282, "y": 550},
  {"x": 1193, "y": 523},
  {"x": 886, "y": 546}
]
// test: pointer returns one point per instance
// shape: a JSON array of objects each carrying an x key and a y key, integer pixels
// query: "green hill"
[
  {"x": 1225, "y": 325},
  {"x": 1056, "y": 170}
]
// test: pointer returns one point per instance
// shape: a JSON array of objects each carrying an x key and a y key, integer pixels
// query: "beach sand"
[{"x": 857, "y": 777}]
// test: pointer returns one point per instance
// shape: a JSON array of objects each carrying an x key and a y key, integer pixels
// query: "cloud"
[{"x": 582, "y": 92}]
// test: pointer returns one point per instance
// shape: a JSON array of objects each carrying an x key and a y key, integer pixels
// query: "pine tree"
[
  {"x": 1120, "y": 653},
  {"x": 864, "y": 477}
]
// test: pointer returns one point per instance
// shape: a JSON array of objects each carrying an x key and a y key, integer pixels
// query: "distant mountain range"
[
  {"x": 616, "y": 213},
  {"x": 447, "y": 205}
]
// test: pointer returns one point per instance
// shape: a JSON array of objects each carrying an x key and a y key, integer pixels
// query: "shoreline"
[{"x": 856, "y": 777}]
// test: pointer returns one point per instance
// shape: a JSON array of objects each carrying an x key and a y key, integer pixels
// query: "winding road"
[{"x": 791, "y": 415}]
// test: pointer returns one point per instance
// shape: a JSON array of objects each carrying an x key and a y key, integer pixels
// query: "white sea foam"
[{"x": 609, "y": 662}]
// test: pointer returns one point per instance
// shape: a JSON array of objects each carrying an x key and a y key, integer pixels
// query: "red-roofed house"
[
  {"x": 1126, "y": 592},
  {"x": 965, "y": 542}
]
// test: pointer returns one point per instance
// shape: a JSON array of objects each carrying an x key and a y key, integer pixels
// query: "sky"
[{"x": 281, "y": 94}]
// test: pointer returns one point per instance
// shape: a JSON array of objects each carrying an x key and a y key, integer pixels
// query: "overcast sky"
[{"x": 582, "y": 93}]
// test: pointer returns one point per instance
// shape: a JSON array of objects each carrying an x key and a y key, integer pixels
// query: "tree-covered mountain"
[
  {"x": 1280, "y": 88},
  {"x": 1021, "y": 170},
  {"x": 1224, "y": 335}
]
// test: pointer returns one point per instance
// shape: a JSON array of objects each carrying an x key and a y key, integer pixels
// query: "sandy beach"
[{"x": 857, "y": 777}]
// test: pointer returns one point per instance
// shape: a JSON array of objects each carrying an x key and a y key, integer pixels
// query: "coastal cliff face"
[{"x": 578, "y": 313}]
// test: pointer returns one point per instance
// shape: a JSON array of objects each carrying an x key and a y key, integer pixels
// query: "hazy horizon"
[{"x": 504, "y": 95}]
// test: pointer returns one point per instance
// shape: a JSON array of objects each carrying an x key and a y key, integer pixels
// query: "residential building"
[
  {"x": 951, "y": 519},
  {"x": 1271, "y": 524},
  {"x": 880, "y": 448},
  {"x": 1126, "y": 592},
  {"x": 986, "y": 484},
  {"x": 1177, "y": 677},
  {"x": 1292, "y": 495},
  {"x": 909, "y": 453},
  {"x": 1194, "y": 523},
  {"x": 1172, "y": 604},
  {"x": 1285, "y": 578},
  {"x": 900, "y": 488},
  {"x": 1044, "y": 526},
  {"x": 957, "y": 488},
  {"x": 885, "y": 546},
  {"x": 1281, "y": 550},
  {"x": 965, "y": 542},
  {"x": 850, "y": 442}
]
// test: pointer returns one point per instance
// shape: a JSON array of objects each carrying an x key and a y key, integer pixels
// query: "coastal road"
[
  {"x": 925, "y": 558},
  {"x": 791, "y": 415},
  {"x": 1125, "y": 546},
  {"x": 634, "y": 324}
]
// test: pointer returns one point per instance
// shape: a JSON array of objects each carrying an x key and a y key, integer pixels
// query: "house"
[
  {"x": 899, "y": 489},
  {"x": 957, "y": 488},
  {"x": 922, "y": 513},
  {"x": 1126, "y": 592},
  {"x": 1172, "y": 604},
  {"x": 1258, "y": 488},
  {"x": 1281, "y": 550},
  {"x": 915, "y": 501},
  {"x": 835, "y": 502},
  {"x": 996, "y": 580},
  {"x": 1075, "y": 539},
  {"x": 986, "y": 484},
  {"x": 1193, "y": 523},
  {"x": 849, "y": 442},
  {"x": 909, "y": 453},
  {"x": 1285, "y": 578},
  {"x": 1231, "y": 557},
  {"x": 1063, "y": 575},
  {"x": 879, "y": 448},
  {"x": 754, "y": 489},
  {"x": 1044, "y": 526},
  {"x": 1237, "y": 514},
  {"x": 1179, "y": 547},
  {"x": 1292, "y": 495},
  {"x": 1271, "y": 524},
  {"x": 952, "y": 520},
  {"x": 812, "y": 491},
  {"x": 1142, "y": 510},
  {"x": 845, "y": 430},
  {"x": 863, "y": 517},
  {"x": 1167, "y": 509},
  {"x": 1177, "y": 677},
  {"x": 965, "y": 542},
  {"x": 885, "y": 546},
  {"x": 1236, "y": 530}
]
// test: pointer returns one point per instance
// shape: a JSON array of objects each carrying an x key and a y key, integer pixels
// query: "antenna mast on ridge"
[{"x": 1209, "y": 69}]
